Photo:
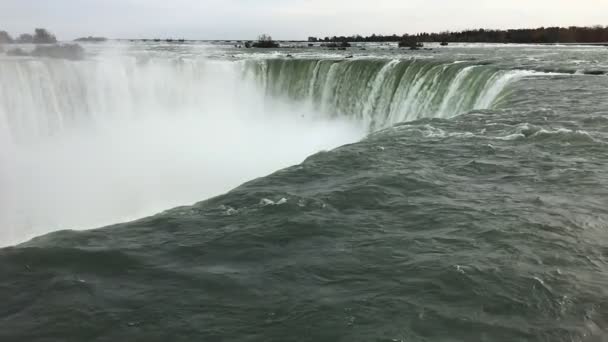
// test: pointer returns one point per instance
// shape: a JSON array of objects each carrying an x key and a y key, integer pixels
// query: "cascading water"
[
  {"x": 94, "y": 142},
  {"x": 90, "y": 143},
  {"x": 382, "y": 92}
]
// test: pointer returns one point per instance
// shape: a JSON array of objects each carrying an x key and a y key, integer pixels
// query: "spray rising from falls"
[
  {"x": 381, "y": 92},
  {"x": 90, "y": 143}
]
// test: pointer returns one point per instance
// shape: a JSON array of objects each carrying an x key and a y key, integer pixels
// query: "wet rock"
[
  {"x": 594, "y": 72},
  {"x": 265, "y": 45},
  {"x": 340, "y": 46},
  {"x": 412, "y": 44}
]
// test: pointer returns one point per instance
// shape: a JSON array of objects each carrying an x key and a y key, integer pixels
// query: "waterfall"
[{"x": 381, "y": 92}]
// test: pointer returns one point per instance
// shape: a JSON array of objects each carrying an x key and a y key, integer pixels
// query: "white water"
[
  {"x": 87, "y": 144},
  {"x": 382, "y": 93}
]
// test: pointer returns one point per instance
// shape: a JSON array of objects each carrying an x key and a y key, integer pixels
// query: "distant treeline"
[
  {"x": 547, "y": 35},
  {"x": 40, "y": 36}
]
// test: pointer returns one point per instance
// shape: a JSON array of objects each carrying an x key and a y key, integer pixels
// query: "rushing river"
[{"x": 373, "y": 194}]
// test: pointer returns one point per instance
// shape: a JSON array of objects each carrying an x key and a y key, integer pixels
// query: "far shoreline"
[{"x": 232, "y": 41}]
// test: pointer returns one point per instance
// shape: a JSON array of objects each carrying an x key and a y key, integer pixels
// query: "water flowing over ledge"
[
  {"x": 86, "y": 141},
  {"x": 382, "y": 93},
  {"x": 91, "y": 143}
]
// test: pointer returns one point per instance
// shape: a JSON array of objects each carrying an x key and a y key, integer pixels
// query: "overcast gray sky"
[{"x": 287, "y": 19}]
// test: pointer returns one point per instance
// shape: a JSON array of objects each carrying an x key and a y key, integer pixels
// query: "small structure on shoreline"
[
  {"x": 91, "y": 39},
  {"x": 265, "y": 42},
  {"x": 333, "y": 45},
  {"x": 412, "y": 44}
]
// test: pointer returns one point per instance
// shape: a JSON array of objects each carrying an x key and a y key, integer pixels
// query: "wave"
[
  {"x": 570, "y": 71},
  {"x": 563, "y": 135},
  {"x": 382, "y": 92},
  {"x": 423, "y": 129}
]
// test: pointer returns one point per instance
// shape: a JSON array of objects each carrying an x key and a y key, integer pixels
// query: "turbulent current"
[{"x": 457, "y": 194}]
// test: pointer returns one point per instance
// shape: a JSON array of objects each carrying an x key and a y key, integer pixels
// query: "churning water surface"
[{"x": 457, "y": 194}]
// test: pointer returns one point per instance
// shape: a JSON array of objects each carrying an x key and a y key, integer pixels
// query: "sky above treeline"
[{"x": 287, "y": 19}]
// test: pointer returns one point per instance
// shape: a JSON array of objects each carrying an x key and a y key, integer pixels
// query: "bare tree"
[
  {"x": 25, "y": 38},
  {"x": 265, "y": 41},
  {"x": 5, "y": 38},
  {"x": 265, "y": 38},
  {"x": 42, "y": 36}
]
